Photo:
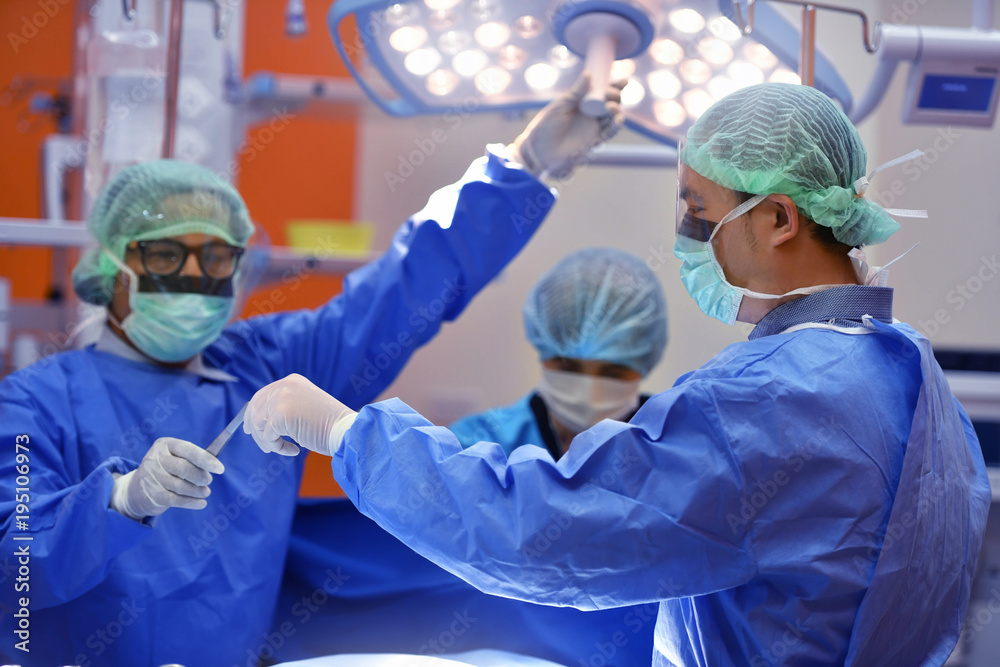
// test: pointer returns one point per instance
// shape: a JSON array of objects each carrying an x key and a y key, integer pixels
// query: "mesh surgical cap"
[
  {"x": 599, "y": 304},
  {"x": 778, "y": 138},
  {"x": 155, "y": 200}
]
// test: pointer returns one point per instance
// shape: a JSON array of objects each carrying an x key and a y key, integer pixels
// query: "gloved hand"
[
  {"x": 173, "y": 473},
  {"x": 560, "y": 136},
  {"x": 295, "y": 407}
]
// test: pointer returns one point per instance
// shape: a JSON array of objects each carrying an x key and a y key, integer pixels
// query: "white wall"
[
  {"x": 958, "y": 182},
  {"x": 483, "y": 359}
]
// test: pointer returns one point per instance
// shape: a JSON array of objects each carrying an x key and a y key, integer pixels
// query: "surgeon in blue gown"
[
  {"x": 598, "y": 319},
  {"x": 131, "y": 561},
  {"x": 814, "y": 495}
]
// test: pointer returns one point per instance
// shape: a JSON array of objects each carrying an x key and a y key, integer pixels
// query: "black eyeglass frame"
[{"x": 186, "y": 252}]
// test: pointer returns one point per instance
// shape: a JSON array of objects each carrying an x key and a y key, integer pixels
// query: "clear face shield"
[
  {"x": 691, "y": 223},
  {"x": 703, "y": 206}
]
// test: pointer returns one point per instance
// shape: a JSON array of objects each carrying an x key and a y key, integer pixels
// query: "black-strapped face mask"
[{"x": 178, "y": 284}]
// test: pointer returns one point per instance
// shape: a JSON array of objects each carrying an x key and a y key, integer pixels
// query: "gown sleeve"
[
  {"x": 49, "y": 514},
  {"x": 631, "y": 514},
  {"x": 355, "y": 345}
]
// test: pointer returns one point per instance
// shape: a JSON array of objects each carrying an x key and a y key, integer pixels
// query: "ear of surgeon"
[
  {"x": 801, "y": 164},
  {"x": 741, "y": 259}
]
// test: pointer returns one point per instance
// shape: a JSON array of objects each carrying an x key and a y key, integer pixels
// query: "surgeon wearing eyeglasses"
[
  {"x": 123, "y": 572},
  {"x": 812, "y": 496}
]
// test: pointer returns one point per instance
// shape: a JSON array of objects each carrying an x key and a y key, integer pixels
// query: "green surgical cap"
[
  {"x": 155, "y": 200},
  {"x": 779, "y": 138},
  {"x": 599, "y": 304}
]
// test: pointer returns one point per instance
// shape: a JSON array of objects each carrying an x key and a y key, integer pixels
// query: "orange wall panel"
[
  {"x": 34, "y": 45},
  {"x": 303, "y": 170}
]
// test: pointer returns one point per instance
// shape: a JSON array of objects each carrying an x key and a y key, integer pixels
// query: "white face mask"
[{"x": 578, "y": 401}]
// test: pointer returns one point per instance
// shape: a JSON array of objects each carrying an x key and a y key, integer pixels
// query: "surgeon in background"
[
  {"x": 598, "y": 319},
  {"x": 122, "y": 572},
  {"x": 813, "y": 496}
]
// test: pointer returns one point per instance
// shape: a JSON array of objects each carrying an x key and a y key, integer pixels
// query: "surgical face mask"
[
  {"x": 701, "y": 273},
  {"x": 578, "y": 400},
  {"x": 172, "y": 327}
]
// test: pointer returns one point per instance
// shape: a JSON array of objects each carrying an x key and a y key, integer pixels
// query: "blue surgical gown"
[
  {"x": 812, "y": 496},
  {"x": 525, "y": 422},
  {"x": 350, "y": 586},
  {"x": 510, "y": 426},
  {"x": 199, "y": 587}
]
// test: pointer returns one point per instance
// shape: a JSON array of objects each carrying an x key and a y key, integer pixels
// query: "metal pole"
[
  {"x": 807, "y": 56},
  {"x": 982, "y": 14},
  {"x": 173, "y": 77}
]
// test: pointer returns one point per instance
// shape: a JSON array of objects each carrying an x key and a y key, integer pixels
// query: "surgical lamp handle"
[
  {"x": 600, "y": 57},
  {"x": 220, "y": 19}
]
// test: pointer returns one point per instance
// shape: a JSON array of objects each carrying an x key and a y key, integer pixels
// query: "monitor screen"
[
  {"x": 957, "y": 93},
  {"x": 989, "y": 440},
  {"x": 980, "y": 361}
]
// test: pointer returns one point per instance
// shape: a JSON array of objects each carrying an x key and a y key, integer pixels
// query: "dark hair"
[{"x": 819, "y": 232}]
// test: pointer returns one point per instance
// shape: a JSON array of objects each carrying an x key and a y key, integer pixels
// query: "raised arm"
[{"x": 355, "y": 345}]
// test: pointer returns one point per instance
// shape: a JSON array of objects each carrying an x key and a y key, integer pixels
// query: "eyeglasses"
[{"x": 166, "y": 257}]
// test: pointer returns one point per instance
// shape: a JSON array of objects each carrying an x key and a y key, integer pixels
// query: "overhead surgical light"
[{"x": 678, "y": 56}]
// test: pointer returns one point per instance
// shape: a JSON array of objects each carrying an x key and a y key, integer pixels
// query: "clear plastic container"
[{"x": 119, "y": 86}]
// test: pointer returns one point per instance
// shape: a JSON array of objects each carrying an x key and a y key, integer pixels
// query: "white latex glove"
[
  {"x": 560, "y": 136},
  {"x": 173, "y": 473},
  {"x": 296, "y": 408}
]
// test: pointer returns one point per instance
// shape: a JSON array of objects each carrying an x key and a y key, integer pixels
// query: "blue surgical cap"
[{"x": 599, "y": 304}]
